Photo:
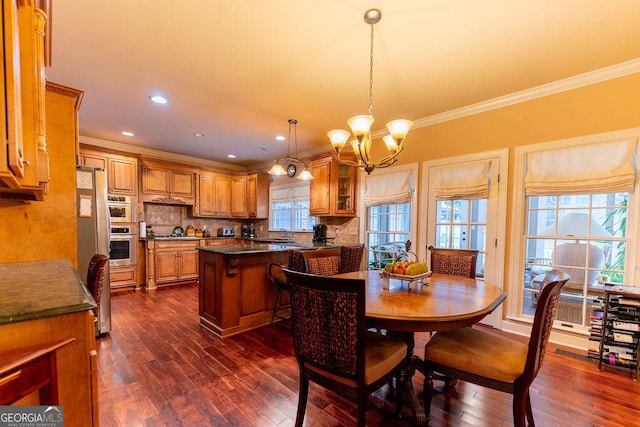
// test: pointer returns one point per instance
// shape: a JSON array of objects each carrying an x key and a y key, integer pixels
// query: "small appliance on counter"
[
  {"x": 247, "y": 230},
  {"x": 225, "y": 232},
  {"x": 320, "y": 234}
]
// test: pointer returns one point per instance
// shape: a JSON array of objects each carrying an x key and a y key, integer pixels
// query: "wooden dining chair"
[
  {"x": 351, "y": 258},
  {"x": 96, "y": 274},
  {"x": 323, "y": 262},
  {"x": 457, "y": 262},
  {"x": 332, "y": 345},
  {"x": 494, "y": 361}
]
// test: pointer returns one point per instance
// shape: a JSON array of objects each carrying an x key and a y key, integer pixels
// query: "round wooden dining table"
[{"x": 439, "y": 302}]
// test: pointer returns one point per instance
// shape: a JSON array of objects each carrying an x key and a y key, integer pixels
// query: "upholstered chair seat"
[{"x": 484, "y": 358}]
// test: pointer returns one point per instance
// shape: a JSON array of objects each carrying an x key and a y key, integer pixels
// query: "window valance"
[
  {"x": 387, "y": 188},
  {"x": 604, "y": 167},
  {"x": 461, "y": 181}
]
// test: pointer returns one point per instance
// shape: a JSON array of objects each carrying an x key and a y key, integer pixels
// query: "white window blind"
[
  {"x": 461, "y": 181},
  {"x": 387, "y": 188},
  {"x": 605, "y": 167}
]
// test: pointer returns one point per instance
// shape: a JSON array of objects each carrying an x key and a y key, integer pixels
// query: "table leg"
[{"x": 407, "y": 385}]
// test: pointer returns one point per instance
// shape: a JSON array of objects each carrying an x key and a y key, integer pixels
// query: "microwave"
[{"x": 121, "y": 209}]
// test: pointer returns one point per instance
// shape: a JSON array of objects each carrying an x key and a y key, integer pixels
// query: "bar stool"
[{"x": 279, "y": 280}]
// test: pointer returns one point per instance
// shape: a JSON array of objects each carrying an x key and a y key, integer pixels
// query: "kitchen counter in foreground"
[
  {"x": 37, "y": 289},
  {"x": 44, "y": 304}
]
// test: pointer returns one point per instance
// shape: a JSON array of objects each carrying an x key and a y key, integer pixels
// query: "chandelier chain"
[{"x": 371, "y": 73}]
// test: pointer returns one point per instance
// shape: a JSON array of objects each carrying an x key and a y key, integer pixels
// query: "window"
[
  {"x": 583, "y": 235},
  {"x": 390, "y": 214},
  {"x": 575, "y": 210},
  {"x": 290, "y": 208},
  {"x": 389, "y": 228},
  {"x": 462, "y": 224}
]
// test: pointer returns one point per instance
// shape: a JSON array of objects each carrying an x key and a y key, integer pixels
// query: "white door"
[{"x": 465, "y": 221}]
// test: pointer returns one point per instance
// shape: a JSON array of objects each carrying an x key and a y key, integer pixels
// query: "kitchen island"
[{"x": 235, "y": 294}]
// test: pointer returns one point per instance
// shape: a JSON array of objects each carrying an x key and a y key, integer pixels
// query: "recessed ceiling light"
[
  {"x": 280, "y": 138},
  {"x": 231, "y": 156},
  {"x": 127, "y": 133},
  {"x": 199, "y": 134},
  {"x": 158, "y": 99}
]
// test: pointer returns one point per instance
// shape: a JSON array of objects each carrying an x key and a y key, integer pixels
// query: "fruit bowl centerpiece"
[{"x": 405, "y": 269}]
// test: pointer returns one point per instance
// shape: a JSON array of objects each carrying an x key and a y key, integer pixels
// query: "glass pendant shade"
[
  {"x": 399, "y": 128},
  {"x": 277, "y": 169},
  {"x": 390, "y": 143},
  {"x": 338, "y": 138},
  {"x": 360, "y": 125},
  {"x": 305, "y": 175},
  {"x": 355, "y": 145}
]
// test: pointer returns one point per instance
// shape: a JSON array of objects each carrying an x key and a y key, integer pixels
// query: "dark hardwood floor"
[{"x": 158, "y": 367}]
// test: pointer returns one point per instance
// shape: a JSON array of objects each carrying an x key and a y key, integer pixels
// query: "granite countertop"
[
  {"x": 36, "y": 289},
  {"x": 251, "y": 249}
]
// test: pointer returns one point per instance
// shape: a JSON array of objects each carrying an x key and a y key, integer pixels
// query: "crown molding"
[
  {"x": 570, "y": 83},
  {"x": 158, "y": 154}
]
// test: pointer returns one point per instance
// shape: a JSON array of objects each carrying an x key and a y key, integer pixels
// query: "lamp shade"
[
  {"x": 338, "y": 138},
  {"x": 390, "y": 143},
  {"x": 399, "y": 129},
  {"x": 277, "y": 169},
  {"x": 577, "y": 224},
  {"x": 360, "y": 125}
]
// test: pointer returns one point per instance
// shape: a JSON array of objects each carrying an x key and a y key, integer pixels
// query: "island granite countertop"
[
  {"x": 37, "y": 289},
  {"x": 252, "y": 249}
]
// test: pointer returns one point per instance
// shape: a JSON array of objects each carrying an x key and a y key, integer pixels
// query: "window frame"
[
  {"x": 312, "y": 219},
  {"x": 364, "y": 216},
  {"x": 578, "y": 336},
  {"x": 495, "y": 243}
]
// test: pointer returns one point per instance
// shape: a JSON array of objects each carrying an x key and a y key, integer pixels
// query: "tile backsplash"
[{"x": 164, "y": 218}]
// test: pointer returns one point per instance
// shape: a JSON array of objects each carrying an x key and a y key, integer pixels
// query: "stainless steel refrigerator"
[{"x": 93, "y": 232}]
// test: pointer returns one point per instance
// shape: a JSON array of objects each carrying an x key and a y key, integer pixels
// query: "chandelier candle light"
[
  {"x": 278, "y": 169},
  {"x": 361, "y": 125}
]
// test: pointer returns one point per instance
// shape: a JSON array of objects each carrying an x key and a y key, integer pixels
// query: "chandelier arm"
[{"x": 348, "y": 162}]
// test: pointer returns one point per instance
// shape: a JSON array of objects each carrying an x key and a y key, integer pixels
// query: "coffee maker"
[
  {"x": 247, "y": 230},
  {"x": 320, "y": 234}
]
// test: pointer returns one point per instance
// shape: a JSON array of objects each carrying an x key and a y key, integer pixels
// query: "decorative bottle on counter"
[{"x": 190, "y": 232}]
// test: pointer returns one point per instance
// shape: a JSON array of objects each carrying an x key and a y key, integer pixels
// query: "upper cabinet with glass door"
[{"x": 333, "y": 188}]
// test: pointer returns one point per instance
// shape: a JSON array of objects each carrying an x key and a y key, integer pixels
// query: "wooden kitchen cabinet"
[
  {"x": 258, "y": 195},
  {"x": 123, "y": 278},
  {"x": 223, "y": 195},
  {"x": 239, "y": 197},
  {"x": 122, "y": 175},
  {"x": 163, "y": 185},
  {"x": 333, "y": 188},
  {"x": 122, "y": 171},
  {"x": 212, "y": 195},
  {"x": 91, "y": 160},
  {"x": 205, "y": 204},
  {"x": 173, "y": 262},
  {"x": 24, "y": 160}
]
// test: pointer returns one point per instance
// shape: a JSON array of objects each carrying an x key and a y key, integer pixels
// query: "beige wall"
[
  {"x": 598, "y": 108},
  {"x": 47, "y": 230}
]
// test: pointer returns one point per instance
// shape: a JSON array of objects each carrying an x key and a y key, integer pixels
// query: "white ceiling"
[{"x": 237, "y": 70}]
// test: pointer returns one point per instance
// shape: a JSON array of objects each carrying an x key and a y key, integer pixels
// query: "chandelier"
[
  {"x": 361, "y": 125},
  {"x": 278, "y": 169}
]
